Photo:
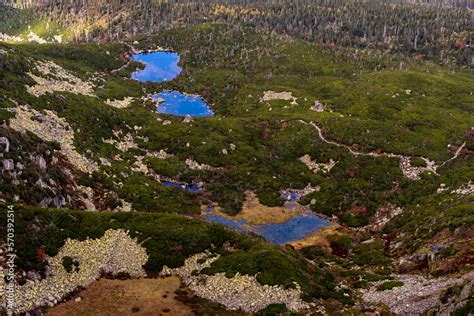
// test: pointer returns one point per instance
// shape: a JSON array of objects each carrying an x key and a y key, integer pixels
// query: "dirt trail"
[
  {"x": 352, "y": 151},
  {"x": 456, "y": 154},
  {"x": 408, "y": 170}
]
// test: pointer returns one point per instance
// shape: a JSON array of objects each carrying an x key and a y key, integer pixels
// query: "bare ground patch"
[{"x": 126, "y": 297}]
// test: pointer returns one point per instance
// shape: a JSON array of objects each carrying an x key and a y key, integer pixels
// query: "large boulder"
[
  {"x": 8, "y": 165},
  {"x": 5, "y": 144}
]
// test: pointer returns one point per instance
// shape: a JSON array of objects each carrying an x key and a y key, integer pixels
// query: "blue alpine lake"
[
  {"x": 161, "y": 67},
  {"x": 296, "y": 228},
  {"x": 177, "y": 103}
]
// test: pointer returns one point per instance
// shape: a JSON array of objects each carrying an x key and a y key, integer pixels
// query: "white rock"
[
  {"x": 115, "y": 252},
  {"x": 8, "y": 165},
  {"x": 6, "y": 143},
  {"x": 318, "y": 107},
  {"x": 105, "y": 162},
  {"x": 242, "y": 292}
]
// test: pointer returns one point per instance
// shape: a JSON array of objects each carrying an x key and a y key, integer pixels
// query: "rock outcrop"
[
  {"x": 120, "y": 104},
  {"x": 241, "y": 292},
  {"x": 382, "y": 216},
  {"x": 54, "y": 78},
  {"x": 123, "y": 143},
  {"x": 315, "y": 166},
  {"x": 318, "y": 107},
  {"x": 50, "y": 127},
  {"x": 194, "y": 165},
  {"x": 115, "y": 252},
  {"x": 272, "y": 95},
  {"x": 414, "y": 172},
  {"x": 465, "y": 189},
  {"x": 416, "y": 296}
]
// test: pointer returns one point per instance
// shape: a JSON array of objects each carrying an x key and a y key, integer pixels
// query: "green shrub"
[
  {"x": 448, "y": 293},
  {"x": 417, "y": 162},
  {"x": 466, "y": 309},
  {"x": 389, "y": 285},
  {"x": 360, "y": 284},
  {"x": 70, "y": 264},
  {"x": 342, "y": 241},
  {"x": 340, "y": 244},
  {"x": 377, "y": 277},
  {"x": 274, "y": 310},
  {"x": 448, "y": 251},
  {"x": 370, "y": 254}
]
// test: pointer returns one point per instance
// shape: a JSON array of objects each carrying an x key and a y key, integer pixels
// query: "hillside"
[
  {"x": 432, "y": 30},
  {"x": 377, "y": 146}
]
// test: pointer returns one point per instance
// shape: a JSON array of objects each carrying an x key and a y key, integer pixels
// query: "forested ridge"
[{"x": 439, "y": 30}]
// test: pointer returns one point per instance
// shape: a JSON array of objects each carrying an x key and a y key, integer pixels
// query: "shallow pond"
[
  {"x": 296, "y": 228},
  {"x": 291, "y": 196},
  {"x": 161, "y": 67},
  {"x": 187, "y": 187}
]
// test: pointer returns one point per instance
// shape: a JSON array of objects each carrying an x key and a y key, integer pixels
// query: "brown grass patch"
[
  {"x": 318, "y": 238},
  {"x": 256, "y": 213},
  {"x": 126, "y": 297}
]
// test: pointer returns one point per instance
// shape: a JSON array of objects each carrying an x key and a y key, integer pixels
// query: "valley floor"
[{"x": 379, "y": 153}]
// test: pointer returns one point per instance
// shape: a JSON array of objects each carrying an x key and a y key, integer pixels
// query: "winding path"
[
  {"x": 352, "y": 151},
  {"x": 456, "y": 154},
  {"x": 408, "y": 170}
]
